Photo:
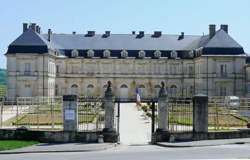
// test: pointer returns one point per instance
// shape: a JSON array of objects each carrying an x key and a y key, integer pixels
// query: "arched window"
[
  {"x": 157, "y": 54},
  {"x": 90, "y": 90},
  {"x": 173, "y": 89},
  {"x": 56, "y": 90},
  {"x": 90, "y": 53},
  {"x": 124, "y": 53},
  {"x": 142, "y": 91},
  {"x": 191, "y": 54},
  {"x": 191, "y": 90},
  {"x": 104, "y": 89},
  {"x": 157, "y": 90},
  {"x": 173, "y": 54},
  {"x": 74, "y": 53},
  {"x": 74, "y": 89},
  {"x": 124, "y": 91},
  {"x": 142, "y": 54},
  {"x": 106, "y": 53}
]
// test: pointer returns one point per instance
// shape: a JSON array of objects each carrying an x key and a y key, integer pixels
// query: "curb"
[
  {"x": 173, "y": 145},
  {"x": 58, "y": 151}
]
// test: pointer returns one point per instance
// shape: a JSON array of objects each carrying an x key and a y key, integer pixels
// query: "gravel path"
[{"x": 134, "y": 128}]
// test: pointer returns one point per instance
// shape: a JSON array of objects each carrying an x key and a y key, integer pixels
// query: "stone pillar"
[
  {"x": 109, "y": 107},
  {"x": 162, "y": 134},
  {"x": 109, "y": 132},
  {"x": 70, "y": 113},
  {"x": 162, "y": 110},
  {"x": 200, "y": 113}
]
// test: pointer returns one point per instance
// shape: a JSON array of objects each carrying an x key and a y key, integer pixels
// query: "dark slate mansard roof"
[{"x": 32, "y": 42}]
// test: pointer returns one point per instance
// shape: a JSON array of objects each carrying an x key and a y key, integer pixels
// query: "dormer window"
[
  {"x": 124, "y": 53},
  {"x": 191, "y": 54},
  {"x": 90, "y": 53},
  {"x": 106, "y": 53},
  {"x": 142, "y": 54},
  {"x": 173, "y": 54},
  {"x": 157, "y": 54},
  {"x": 57, "y": 52},
  {"x": 74, "y": 53}
]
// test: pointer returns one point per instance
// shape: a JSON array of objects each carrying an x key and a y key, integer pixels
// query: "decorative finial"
[
  {"x": 109, "y": 92},
  {"x": 162, "y": 92}
]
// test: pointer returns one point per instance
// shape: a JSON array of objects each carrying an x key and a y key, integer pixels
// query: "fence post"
[
  {"x": 200, "y": 113},
  {"x": 109, "y": 132},
  {"x": 162, "y": 134},
  {"x": 70, "y": 113}
]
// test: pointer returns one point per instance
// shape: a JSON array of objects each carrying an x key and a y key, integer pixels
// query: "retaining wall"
[{"x": 49, "y": 136}]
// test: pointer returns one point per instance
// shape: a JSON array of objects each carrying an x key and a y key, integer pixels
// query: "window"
[
  {"x": 27, "y": 67},
  {"x": 74, "y": 53},
  {"x": 248, "y": 88},
  {"x": 90, "y": 90},
  {"x": 106, "y": 53},
  {"x": 106, "y": 67},
  {"x": 223, "y": 90},
  {"x": 157, "y": 54},
  {"x": 191, "y": 90},
  {"x": 74, "y": 89},
  {"x": 56, "y": 90},
  {"x": 90, "y": 68},
  {"x": 142, "y": 91},
  {"x": 190, "y": 69},
  {"x": 157, "y": 90},
  {"x": 141, "y": 68},
  {"x": 104, "y": 89},
  {"x": 173, "y": 89},
  {"x": 124, "y": 53},
  {"x": 57, "y": 68},
  {"x": 90, "y": 53},
  {"x": 173, "y": 68},
  {"x": 142, "y": 54},
  {"x": 173, "y": 54},
  {"x": 223, "y": 69},
  {"x": 74, "y": 69}
]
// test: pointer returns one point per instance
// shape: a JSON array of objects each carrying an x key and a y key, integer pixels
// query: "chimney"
[
  {"x": 49, "y": 34},
  {"x": 133, "y": 32},
  {"x": 141, "y": 33},
  {"x": 157, "y": 33},
  {"x": 181, "y": 36},
  {"x": 107, "y": 33},
  {"x": 74, "y": 33},
  {"x": 224, "y": 27},
  {"x": 25, "y": 27},
  {"x": 37, "y": 29},
  {"x": 212, "y": 30},
  {"x": 91, "y": 33},
  {"x": 33, "y": 26}
]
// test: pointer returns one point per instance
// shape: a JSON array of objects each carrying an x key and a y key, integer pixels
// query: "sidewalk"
[
  {"x": 67, "y": 147},
  {"x": 205, "y": 143}
]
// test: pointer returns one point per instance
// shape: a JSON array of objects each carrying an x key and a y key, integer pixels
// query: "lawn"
[{"x": 14, "y": 144}]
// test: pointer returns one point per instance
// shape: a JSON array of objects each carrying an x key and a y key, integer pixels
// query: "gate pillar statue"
[
  {"x": 162, "y": 132},
  {"x": 162, "y": 109},
  {"x": 109, "y": 131}
]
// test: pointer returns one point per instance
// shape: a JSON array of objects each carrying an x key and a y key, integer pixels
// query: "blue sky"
[{"x": 123, "y": 16}]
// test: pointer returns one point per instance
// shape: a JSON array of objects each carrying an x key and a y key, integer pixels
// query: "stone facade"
[{"x": 51, "y": 74}]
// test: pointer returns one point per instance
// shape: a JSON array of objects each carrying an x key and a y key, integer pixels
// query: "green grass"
[{"x": 14, "y": 144}]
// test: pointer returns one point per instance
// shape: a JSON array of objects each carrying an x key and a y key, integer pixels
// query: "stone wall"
[{"x": 49, "y": 136}]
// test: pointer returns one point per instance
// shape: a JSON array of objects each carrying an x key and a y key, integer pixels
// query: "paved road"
[{"x": 144, "y": 152}]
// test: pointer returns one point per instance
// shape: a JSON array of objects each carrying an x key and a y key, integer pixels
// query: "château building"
[{"x": 54, "y": 64}]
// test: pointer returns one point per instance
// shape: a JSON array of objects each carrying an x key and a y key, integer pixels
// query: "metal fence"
[
  {"x": 180, "y": 114},
  {"x": 32, "y": 112},
  {"x": 225, "y": 114},
  {"x": 90, "y": 114}
]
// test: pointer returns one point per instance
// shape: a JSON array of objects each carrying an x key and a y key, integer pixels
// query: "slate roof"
[{"x": 33, "y": 42}]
